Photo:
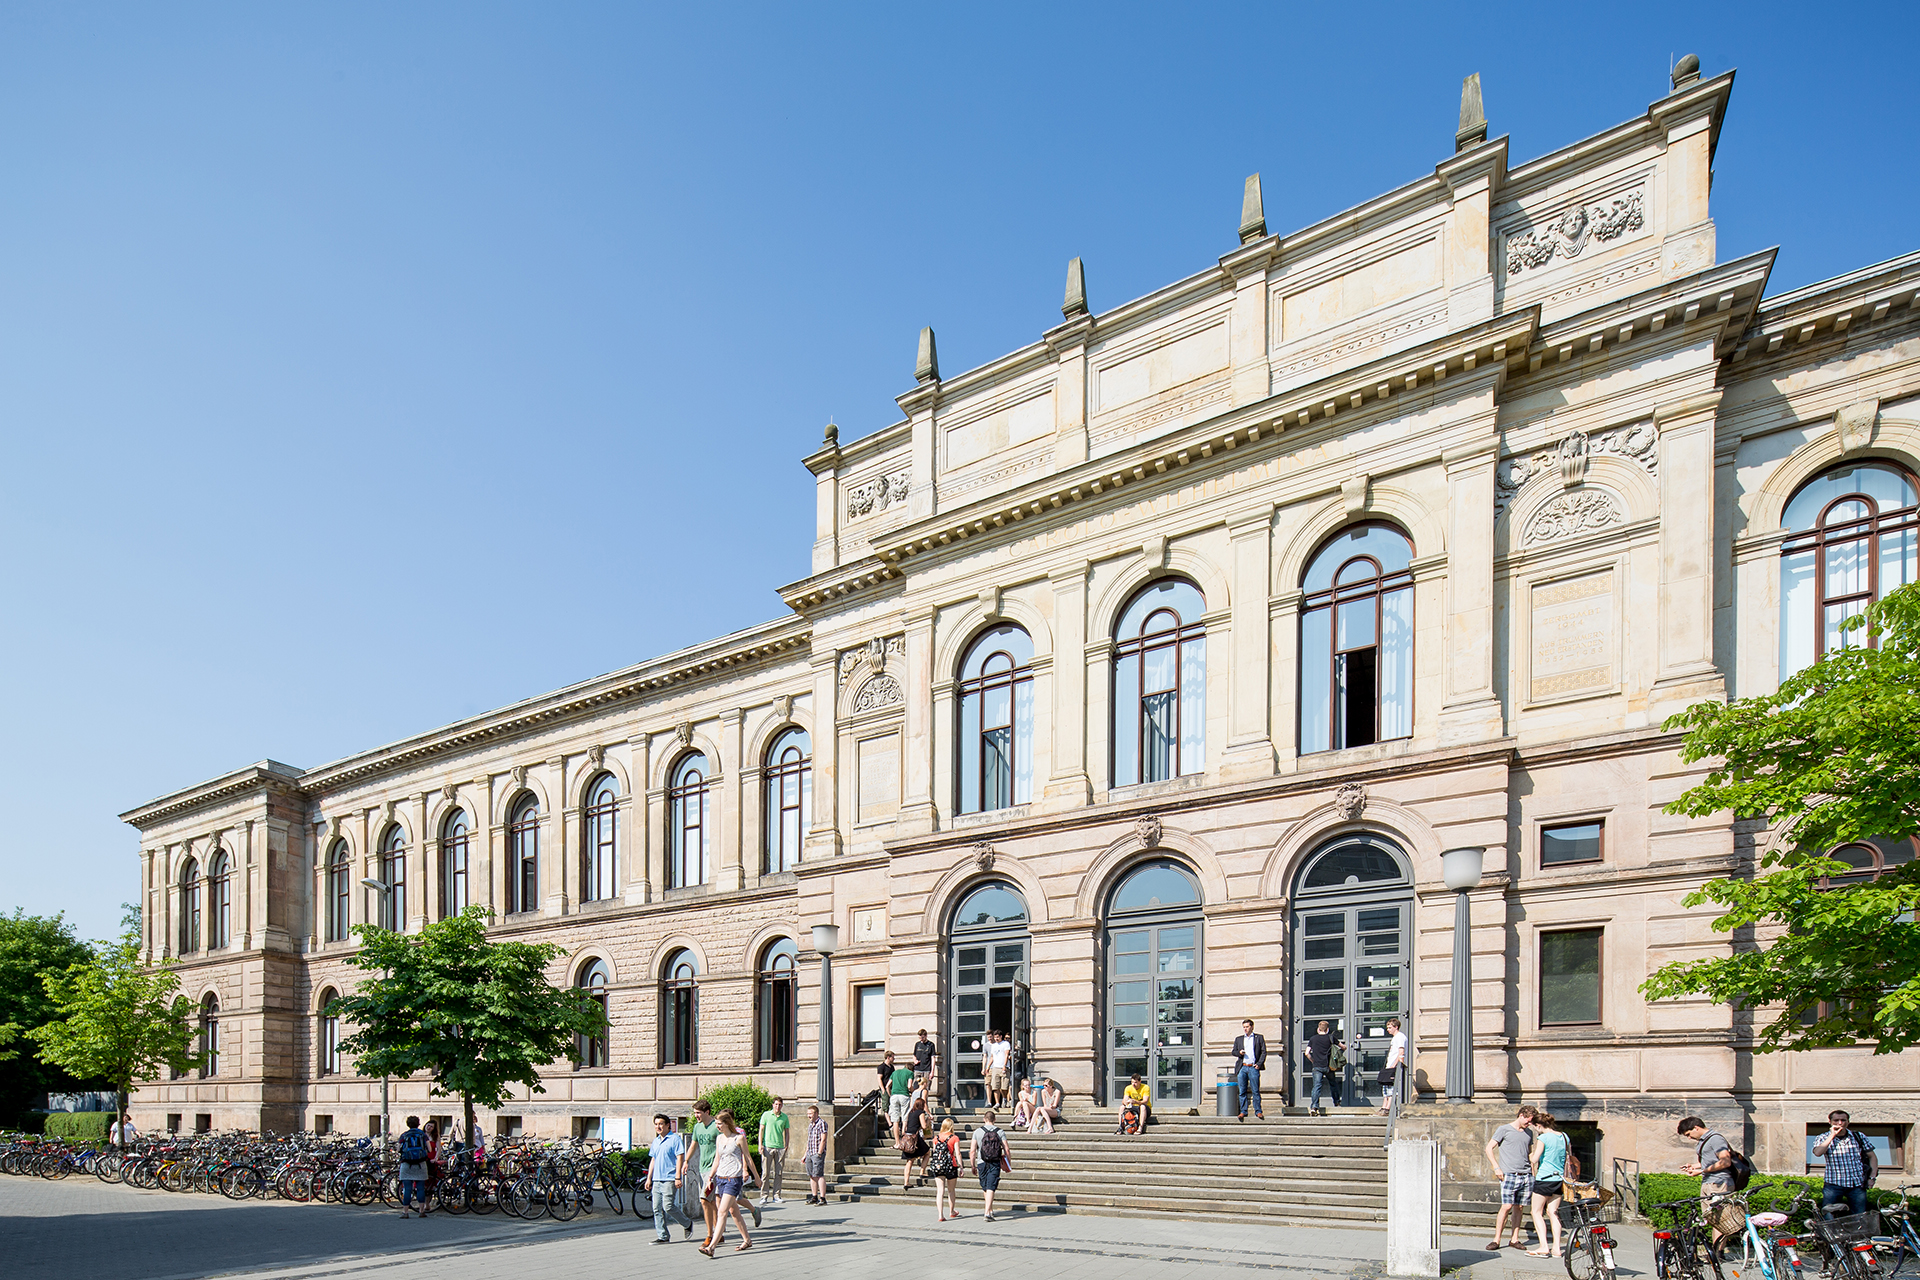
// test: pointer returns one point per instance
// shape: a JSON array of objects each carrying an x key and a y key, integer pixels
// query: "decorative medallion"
[
  {"x": 1637, "y": 444},
  {"x": 1147, "y": 831},
  {"x": 1568, "y": 235},
  {"x": 983, "y": 854},
  {"x": 881, "y": 691},
  {"x": 878, "y": 494},
  {"x": 519, "y": 775},
  {"x": 1350, "y": 799},
  {"x": 1568, "y": 515}
]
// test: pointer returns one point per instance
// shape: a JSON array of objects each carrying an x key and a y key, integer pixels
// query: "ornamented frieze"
[
  {"x": 878, "y": 494},
  {"x": 881, "y": 691},
  {"x": 1569, "y": 234},
  {"x": 1568, "y": 515},
  {"x": 1638, "y": 444},
  {"x": 872, "y": 656}
]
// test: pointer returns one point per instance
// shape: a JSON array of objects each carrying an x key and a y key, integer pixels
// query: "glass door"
[
  {"x": 1153, "y": 1011},
  {"x": 1350, "y": 969},
  {"x": 989, "y": 994}
]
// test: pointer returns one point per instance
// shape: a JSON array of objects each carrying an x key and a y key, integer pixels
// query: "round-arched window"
[
  {"x": 687, "y": 825},
  {"x": 591, "y": 1051},
  {"x": 1156, "y": 886},
  {"x": 456, "y": 852},
  {"x": 1354, "y": 861},
  {"x": 789, "y": 796},
  {"x": 1853, "y": 536},
  {"x": 777, "y": 1006},
  {"x": 523, "y": 856},
  {"x": 339, "y": 893},
  {"x": 990, "y": 906},
  {"x": 996, "y": 721},
  {"x": 1356, "y": 640},
  {"x": 600, "y": 822},
  {"x": 680, "y": 1009},
  {"x": 1160, "y": 684}
]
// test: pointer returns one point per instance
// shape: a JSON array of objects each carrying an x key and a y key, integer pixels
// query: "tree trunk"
[
  {"x": 466, "y": 1101},
  {"x": 119, "y": 1116}
]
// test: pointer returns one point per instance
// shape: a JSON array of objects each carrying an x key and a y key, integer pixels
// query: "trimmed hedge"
[
  {"x": 748, "y": 1102},
  {"x": 78, "y": 1126},
  {"x": 1766, "y": 1191}
]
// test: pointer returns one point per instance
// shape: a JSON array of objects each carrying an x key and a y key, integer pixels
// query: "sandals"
[{"x": 742, "y": 1248}]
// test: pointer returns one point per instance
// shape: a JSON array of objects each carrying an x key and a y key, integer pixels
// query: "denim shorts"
[
  {"x": 989, "y": 1176},
  {"x": 816, "y": 1166},
  {"x": 728, "y": 1186}
]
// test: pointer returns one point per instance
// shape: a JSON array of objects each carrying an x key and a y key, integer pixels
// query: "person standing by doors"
[
  {"x": 997, "y": 1059},
  {"x": 990, "y": 1159},
  {"x": 1318, "y": 1052},
  {"x": 1249, "y": 1060},
  {"x": 1396, "y": 1058}
]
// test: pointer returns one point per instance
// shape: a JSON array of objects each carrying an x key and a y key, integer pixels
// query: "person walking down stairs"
[{"x": 990, "y": 1159}]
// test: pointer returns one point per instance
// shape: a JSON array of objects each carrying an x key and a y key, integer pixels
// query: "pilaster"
[
  {"x": 635, "y": 863},
  {"x": 729, "y": 801},
  {"x": 1069, "y": 785},
  {"x": 1471, "y": 710},
  {"x": 1069, "y": 345},
  {"x": 917, "y": 814},
  {"x": 556, "y": 873},
  {"x": 425, "y": 871},
  {"x": 1248, "y": 337},
  {"x": 1474, "y": 178},
  {"x": 1687, "y": 673},
  {"x": 823, "y": 839},
  {"x": 1249, "y": 752}
]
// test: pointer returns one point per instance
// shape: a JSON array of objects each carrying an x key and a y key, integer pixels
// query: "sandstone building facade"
[{"x": 1144, "y": 674}]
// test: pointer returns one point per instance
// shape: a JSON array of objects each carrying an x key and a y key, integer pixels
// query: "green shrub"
[
  {"x": 78, "y": 1126},
  {"x": 627, "y": 1166},
  {"x": 1766, "y": 1191},
  {"x": 747, "y": 1100}
]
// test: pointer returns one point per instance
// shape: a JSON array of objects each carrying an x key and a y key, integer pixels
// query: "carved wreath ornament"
[
  {"x": 878, "y": 494},
  {"x": 1569, "y": 234},
  {"x": 881, "y": 691},
  {"x": 1568, "y": 515}
]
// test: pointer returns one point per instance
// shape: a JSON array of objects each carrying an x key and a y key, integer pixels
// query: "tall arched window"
[
  {"x": 210, "y": 1035},
  {"x": 1356, "y": 641},
  {"x": 339, "y": 892},
  {"x": 996, "y": 721},
  {"x": 190, "y": 907},
  {"x": 591, "y": 1051},
  {"x": 523, "y": 856},
  {"x": 680, "y": 1010},
  {"x": 329, "y": 1035},
  {"x": 1851, "y": 539},
  {"x": 220, "y": 900},
  {"x": 778, "y": 1022},
  {"x": 456, "y": 864},
  {"x": 1871, "y": 859},
  {"x": 687, "y": 822},
  {"x": 599, "y": 829},
  {"x": 1160, "y": 685},
  {"x": 789, "y": 777},
  {"x": 393, "y": 870}
]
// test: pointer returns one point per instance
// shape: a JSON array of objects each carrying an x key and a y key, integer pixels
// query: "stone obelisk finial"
[
  {"x": 1253, "y": 213},
  {"x": 1473, "y": 117},
  {"x": 1075, "y": 303},
  {"x": 926, "y": 367}
]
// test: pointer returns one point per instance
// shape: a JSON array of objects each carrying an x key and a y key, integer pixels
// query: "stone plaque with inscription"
[{"x": 1572, "y": 636}]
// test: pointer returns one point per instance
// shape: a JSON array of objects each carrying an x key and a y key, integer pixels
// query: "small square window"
[
  {"x": 323, "y": 1124},
  {"x": 203, "y": 1123},
  {"x": 1570, "y": 842},
  {"x": 586, "y": 1128},
  {"x": 507, "y": 1126},
  {"x": 1570, "y": 978},
  {"x": 1889, "y": 1142},
  {"x": 871, "y": 1018},
  {"x": 173, "y": 1122},
  {"x": 373, "y": 1125}
]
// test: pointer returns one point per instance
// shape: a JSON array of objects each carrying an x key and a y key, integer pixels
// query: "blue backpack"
[{"x": 413, "y": 1146}]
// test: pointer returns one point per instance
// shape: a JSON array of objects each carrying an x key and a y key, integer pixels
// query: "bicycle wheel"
[
  {"x": 1736, "y": 1258},
  {"x": 606, "y": 1186},
  {"x": 525, "y": 1199},
  {"x": 1786, "y": 1264},
  {"x": 1581, "y": 1255},
  {"x": 450, "y": 1194},
  {"x": 240, "y": 1182},
  {"x": 483, "y": 1194},
  {"x": 563, "y": 1200}
]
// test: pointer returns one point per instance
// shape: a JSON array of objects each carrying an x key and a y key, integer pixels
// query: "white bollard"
[{"x": 1413, "y": 1208}]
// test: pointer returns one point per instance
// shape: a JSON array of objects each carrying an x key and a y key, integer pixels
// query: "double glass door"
[
  {"x": 990, "y": 993},
  {"x": 1351, "y": 969},
  {"x": 1153, "y": 1010}
]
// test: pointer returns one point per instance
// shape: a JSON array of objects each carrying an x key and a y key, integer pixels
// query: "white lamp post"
[
  {"x": 826, "y": 941},
  {"x": 385, "y": 891},
  {"x": 1461, "y": 868}
]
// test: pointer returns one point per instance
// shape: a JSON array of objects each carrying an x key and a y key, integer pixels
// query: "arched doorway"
[
  {"x": 987, "y": 986},
  {"x": 1154, "y": 974},
  {"x": 1352, "y": 954}
]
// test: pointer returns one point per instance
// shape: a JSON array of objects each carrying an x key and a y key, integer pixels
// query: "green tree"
[
  {"x": 29, "y": 947},
  {"x": 1833, "y": 757},
  {"x": 473, "y": 1015},
  {"x": 115, "y": 1019}
]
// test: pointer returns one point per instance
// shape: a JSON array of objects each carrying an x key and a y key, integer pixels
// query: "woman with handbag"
[
  {"x": 943, "y": 1166},
  {"x": 912, "y": 1143}
]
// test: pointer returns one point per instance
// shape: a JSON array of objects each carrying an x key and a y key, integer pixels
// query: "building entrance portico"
[
  {"x": 988, "y": 990},
  {"x": 1352, "y": 956}
]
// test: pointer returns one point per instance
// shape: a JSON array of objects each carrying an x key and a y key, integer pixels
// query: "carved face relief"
[
  {"x": 1350, "y": 799},
  {"x": 1147, "y": 831},
  {"x": 983, "y": 855}
]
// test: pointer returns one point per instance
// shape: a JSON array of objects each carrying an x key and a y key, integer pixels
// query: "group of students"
[
  {"x": 988, "y": 1155},
  {"x": 1535, "y": 1161},
  {"x": 420, "y": 1165},
  {"x": 707, "y": 1171}
]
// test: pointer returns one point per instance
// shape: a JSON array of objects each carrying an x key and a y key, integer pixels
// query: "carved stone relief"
[
  {"x": 1568, "y": 234},
  {"x": 1350, "y": 799},
  {"x": 683, "y": 733},
  {"x": 595, "y": 754},
  {"x": 983, "y": 854},
  {"x": 1568, "y": 515},
  {"x": 449, "y": 792},
  {"x": 878, "y": 493},
  {"x": 881, "y": 691},
  {"x": 871, "y": 657},
  {"x": 783, "y": 707},
  {"x": 1638, "y": 444},
  {"x": 1147, "y": 831},
  {"x": 519, "y": 775}
]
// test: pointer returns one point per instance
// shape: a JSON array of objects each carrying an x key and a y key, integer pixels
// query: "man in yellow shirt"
[{"x": 1136, "y": 1096}]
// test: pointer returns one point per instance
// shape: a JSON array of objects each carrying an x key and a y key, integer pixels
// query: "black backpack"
[
  {"x": 413, "y": 1146},
  {"x": 1739, "y": 1168},
  {"x": 991, "y": 1147}
]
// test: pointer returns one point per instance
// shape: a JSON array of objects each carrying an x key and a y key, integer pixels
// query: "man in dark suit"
[{"x": 1249, "y": 1060}]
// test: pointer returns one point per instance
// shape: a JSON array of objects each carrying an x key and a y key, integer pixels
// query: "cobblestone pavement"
[{"x": 80, "y": 1227}]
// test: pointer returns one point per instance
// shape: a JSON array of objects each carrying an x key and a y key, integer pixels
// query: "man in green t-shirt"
[
  {"x": 899, "y": 1091},
  {"x": 705, "y": 1130},
  {"x": 773, "y": 1149}
]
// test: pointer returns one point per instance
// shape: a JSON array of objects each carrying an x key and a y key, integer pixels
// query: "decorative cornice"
[
  {"x": 1884, "y": 293},
  {"x": 268, "y": 775}
]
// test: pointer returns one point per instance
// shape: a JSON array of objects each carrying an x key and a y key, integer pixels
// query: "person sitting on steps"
[{"x": 1136, "y": 1099}]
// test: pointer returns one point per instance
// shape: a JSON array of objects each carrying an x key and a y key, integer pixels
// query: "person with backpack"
[
  {"x": 413, "y": 1152},
  {"x": 899, "y": 1098},
  {"x": 990, "y": 1159},
  {"x": 943, "y": 1166},
  {"x": 1318, "y": 1051},
  {"x": 1851, "y": 1165},
  {"x": 1721, "y": 1170},
  {"x": 1553, "y": 1166}
]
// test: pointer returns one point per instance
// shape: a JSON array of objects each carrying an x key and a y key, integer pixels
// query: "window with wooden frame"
[
  {"x": 995, "y": 755},
  {"x": 220, "y": 901},
  {"x": 591, "y": 1051},
  {"x": 523, "y": 856},
  {"x": 1562, "y": 843},
  {"x": 1570, "y": 977},
  {"x": 1160, "y": 684},
  {"x": 870, "y": 1017},
  {"x": 456, "y": 864},
  {"x": 393, "y": 871},
  {"x": 190, "y": 907},
  {"x": 339, "y": 892},
  {"x": 1889, "y": 1143},
  {"x": 1870, "y": 859},
  {"x": 680, "y": 1010},
  {"x": 687, "y": 822},
  {"x": 328, "y": 1035},
  {"x": 788, "y": 777},
  {"x": 1356, "y": 640},
  {"x": 1853, "y": 534},
  {"x": 776, "y": 1002},
  {"x": 599, "y": 837}
]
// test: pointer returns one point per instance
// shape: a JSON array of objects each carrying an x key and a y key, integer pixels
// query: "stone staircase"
[{"x": 1290, "y": 1170}]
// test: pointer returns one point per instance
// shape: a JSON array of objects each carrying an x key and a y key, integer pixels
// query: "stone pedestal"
[{"x": 1413, "y": 1207}]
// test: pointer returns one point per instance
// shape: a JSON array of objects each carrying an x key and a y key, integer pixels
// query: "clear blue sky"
[{"x": 363, "y": 367}]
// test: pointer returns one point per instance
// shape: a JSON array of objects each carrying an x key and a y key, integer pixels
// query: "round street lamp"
[{"x": 1461, "y": 870}]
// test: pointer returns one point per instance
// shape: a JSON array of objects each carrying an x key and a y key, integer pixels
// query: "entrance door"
[
  {"x": 1352, "y": 954},
  {"x": 1153, "y": 1011},
  {"x": 986, "y": 987}
]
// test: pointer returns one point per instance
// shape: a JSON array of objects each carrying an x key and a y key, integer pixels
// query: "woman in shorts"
[
  {"x": 943, "y": 1166},
  {"x": 815, "y": 1161},
  {"x": 1550, "y": 1156},
  {"x": 732, "y": 1167}
]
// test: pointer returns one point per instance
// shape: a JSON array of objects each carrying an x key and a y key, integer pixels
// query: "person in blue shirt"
[
  {"x": 663, "y": 1179},
  {"x": 1553, "y": 1166}
]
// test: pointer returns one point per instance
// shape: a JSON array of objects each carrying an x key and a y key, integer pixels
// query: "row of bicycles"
[
  {"x": 1797, "y": 1242},
  {"x": 527, "y": 1179}
]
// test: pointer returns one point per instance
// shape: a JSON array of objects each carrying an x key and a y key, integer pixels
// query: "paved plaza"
[{"x": 80, "y": 1227}]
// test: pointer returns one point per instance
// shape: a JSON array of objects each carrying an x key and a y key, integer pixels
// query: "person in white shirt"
[
  {"x": 124, "y": 1133},
  {"x": 997, "y": 1059},
  {"x": 1396, "y": 1058}
]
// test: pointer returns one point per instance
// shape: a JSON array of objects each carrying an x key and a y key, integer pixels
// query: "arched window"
[
  {"x": 599, "y": 832},
  {"x": 680, "y": 1010},
  {"x": 1870, "y": 859},
  {"x": 210, "y": 1035},
  {"x": 456, "y": 863},
  {"x": 996, "y": 721},
  {"x": 591, "y": 1051},
  {"x": 339, "y": 892},
  {"x": 190, "y": 907},
  {"x": 220, "y": 900},
  {"x": 1851, "y": 539},
  {"x": 687, "y": 822},
  {"x": 779, "y": 1030},
  {"x": 1156, "y": 886},
  {"x": 393, "y": 870},
  {"x": 329, "y": 1035},
  {"x": 789, "y": 777},
  {"x": 1356, "y": 641},
  {"x": 523, "y": 856},
  {"x": 1160, "y": 685}
]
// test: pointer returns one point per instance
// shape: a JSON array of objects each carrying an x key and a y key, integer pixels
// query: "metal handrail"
[
  {"x": 1626, "y": 1184},
  {"x": 872, "y": 1102}
]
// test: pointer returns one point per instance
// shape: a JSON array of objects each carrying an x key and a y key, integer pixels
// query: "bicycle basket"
[{"x": 1848, "y": 1228}]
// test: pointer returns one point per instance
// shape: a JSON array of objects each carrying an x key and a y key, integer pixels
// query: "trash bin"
[{"x": 1226, "y": 1097}]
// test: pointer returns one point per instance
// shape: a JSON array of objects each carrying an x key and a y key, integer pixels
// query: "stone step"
[{"x": 1036, "y": 1191}]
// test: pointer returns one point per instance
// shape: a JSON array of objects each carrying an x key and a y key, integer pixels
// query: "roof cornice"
[
  {"x": 267, "y": 775},
  {"x": 1885, "y": 292}
]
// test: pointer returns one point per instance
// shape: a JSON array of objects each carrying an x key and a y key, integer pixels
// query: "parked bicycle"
[
  {"x": 1683, "y": 1250},
  {"x": 1764, "y": 1250},
  {"x": 1589, "y": 1244}
]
